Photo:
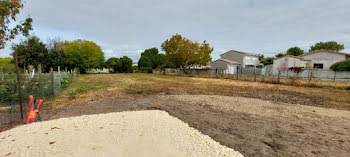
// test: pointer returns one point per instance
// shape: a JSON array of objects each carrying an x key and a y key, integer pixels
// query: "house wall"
[
  {"x": 241, "y": 58},
  {"x": 218, "y": 65},
  {"x": 250, "y": 60},
  {"x": 282, "y": 64},
  {"x": 97, "y": 71},
  {"x": 325, "y": 58}
]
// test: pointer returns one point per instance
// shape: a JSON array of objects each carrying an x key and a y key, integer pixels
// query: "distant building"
[
  {"x": 324, "y": 59},
  {"x": 320, "y": 59},
  {"x": 245, "y": 59},
  {"x": 135, "y": 64},
  {"x": 231, "y": 60},
  {"x": 282, "y": 64}
]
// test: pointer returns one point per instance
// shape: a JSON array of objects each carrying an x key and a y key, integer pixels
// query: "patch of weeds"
[{"x": 72, "y": 94}]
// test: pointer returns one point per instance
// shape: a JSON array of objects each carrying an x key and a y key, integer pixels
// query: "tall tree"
[
  {"x": 83, "y": 54},
  {"x": 8, "y": 12},
  {"x": 32, "y": 51},
  {"x": 56, "y": 55},
  {"x": 330, "y": 45},
  {"x": 267, "y": 60},
  {"x": 184, "y": 53},
  {"x": 126, "y": 64},
  {"x": 295, "y": 51},
  {"x": 115, "y": 64}
]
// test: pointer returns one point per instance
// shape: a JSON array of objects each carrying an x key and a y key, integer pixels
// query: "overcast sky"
[{"x": 127, "y": 27}]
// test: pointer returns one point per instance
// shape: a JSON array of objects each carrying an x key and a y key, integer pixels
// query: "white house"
[
  {"x": 233, "y": 59},
  {"x": 282, "y": 64},
  {"x": 229, "y": 66},
  {"x": 324, "y": 59},
  {"x": 320, "y": 59}
]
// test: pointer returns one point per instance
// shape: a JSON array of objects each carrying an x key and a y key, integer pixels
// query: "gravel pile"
[{"x": 140, "y": 133}]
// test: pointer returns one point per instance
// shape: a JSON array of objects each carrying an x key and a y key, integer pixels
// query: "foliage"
[
  {"x": 280, "y": 55},
  {"x": 32, "y": 52},
  {"x": 267, "y": 60},
  {"x": 56, "y": 53},
  {"x": 261, "y": 57},
  {"x": 295, "y": 51},
  {"x": 120, "y": 65},
  {"x": 126, "y": 64},
  {"x": 115, "y": 64},
  {"x": 152, "y": 58},
  {"x": 330, "y": 45},
  {"x": 341, "y": 66},
  {"x": 184, "y": 53},
  {"x": 82, "y": 54},
  {"x": 8, "y": 11},
  {"x": 6, "y": 63},
  {"x": 146, "y": 70}
]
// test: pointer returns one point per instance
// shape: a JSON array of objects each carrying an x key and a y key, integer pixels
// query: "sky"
[{"x": 128, "y": 27}]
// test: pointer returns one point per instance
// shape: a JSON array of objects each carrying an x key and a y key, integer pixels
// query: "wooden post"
[
  {"x": 66, "y": 69},
  {"x": 237, "y": 71},
  {"x": 335, "y": 75},
  {"x": 278, "y": 77},
  {"x": 40, "y": 82},
  {"x": 254, "y": 73},
  {"x": 52, "y": 83},
  {"x": 2, "y": 73},
  {"x": 59, "y": 69},
  {"x": 19, "y": 86}
]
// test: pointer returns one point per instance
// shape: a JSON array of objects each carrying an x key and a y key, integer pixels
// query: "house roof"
[
  {"x": 297, "y": 57},
  {"x": 245, "y": 53},
  {"x": 227, "y": 61},
  {"x": 329, "y": 51}
]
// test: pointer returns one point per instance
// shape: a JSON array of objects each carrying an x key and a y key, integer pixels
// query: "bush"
[
  {"x": 146, "y": 70},
  {"x": 341, "y": 66}
]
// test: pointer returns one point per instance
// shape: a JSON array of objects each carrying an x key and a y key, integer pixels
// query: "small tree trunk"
[{"x": 19, "y": 87}]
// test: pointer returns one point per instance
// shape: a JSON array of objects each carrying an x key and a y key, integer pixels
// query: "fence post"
[
  {"x": 66, "y": 69},
  {"x": 278, "y": 77},
  {"x": 59, "y": 69},
  {"x": 254, "y": 73},
  {"x": 40, "y": 82},
  {"x": 18, "y": 83},
  {"x": 335, "y": 75},
  {"x": 310, "y": 75},
  {"x": 52, "y": 83},
  {"x": 237, "y": 72},
  {"x": 2, "y": 73}
]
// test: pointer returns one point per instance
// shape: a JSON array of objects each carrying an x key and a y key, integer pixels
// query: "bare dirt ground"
[
  {"x": 251, "y": 126},
  {"x": 256, "y": 119}
]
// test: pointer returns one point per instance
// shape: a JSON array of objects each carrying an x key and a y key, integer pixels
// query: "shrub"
[
  {"x": 146, "y": 70},
  {"x": 341, "y": 66}
]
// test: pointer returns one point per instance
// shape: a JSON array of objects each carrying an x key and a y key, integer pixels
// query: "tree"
[
  {"x": 6, "y": 63},
  {"x": 151, "y": 58},
  {"x": 184, "y": 53},
  {"x": 280, "y": 55},
  {"x": 295, "y": 51},
  {"x": 126, "y": 64},
  {"x": 115, "y": 64},
  {"x": 341, "y": 66},
  {"x": 56, "y": 53},
  {"x": 330, "y": 45},
  {"x": 267, "y": 60},
  {"x": 32, "y": 52},
  {"x": 82, "y": 54},
  {"x": 8, "y": 11}
]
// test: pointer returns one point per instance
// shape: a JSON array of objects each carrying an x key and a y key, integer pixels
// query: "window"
[
  {"x": 249, "y": 66},
  {"x": 318, "y": 66}
]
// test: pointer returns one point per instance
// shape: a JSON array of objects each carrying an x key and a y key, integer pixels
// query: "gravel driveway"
[{"x": 138, "y": 133}]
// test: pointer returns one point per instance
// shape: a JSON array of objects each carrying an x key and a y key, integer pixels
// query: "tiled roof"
[
  {"x": 229, "y": 61},
  {"x": 297, "y": 57},
  {"x": 329, "y": 51},
  {"x": 246, "y": 53}
]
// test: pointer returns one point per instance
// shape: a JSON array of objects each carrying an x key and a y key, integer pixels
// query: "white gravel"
[{"x": 140, "y": 133}]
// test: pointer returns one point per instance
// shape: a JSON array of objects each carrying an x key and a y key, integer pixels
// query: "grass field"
[{"x": 92, "y": 87}]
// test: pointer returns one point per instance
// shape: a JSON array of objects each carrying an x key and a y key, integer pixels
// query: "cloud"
[{"x": 126, "y": 27}]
